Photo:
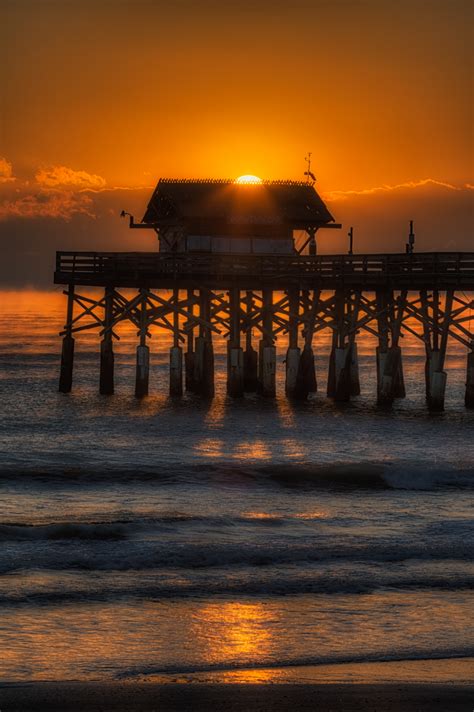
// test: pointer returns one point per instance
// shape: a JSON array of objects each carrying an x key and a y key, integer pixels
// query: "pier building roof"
[{"x": 291, "y": 203}]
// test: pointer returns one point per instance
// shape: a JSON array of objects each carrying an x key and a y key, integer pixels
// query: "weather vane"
[{"x": 310, "y": 176}]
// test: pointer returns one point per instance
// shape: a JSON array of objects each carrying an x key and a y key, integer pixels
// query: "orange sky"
[{"x": 115, "y": 93}]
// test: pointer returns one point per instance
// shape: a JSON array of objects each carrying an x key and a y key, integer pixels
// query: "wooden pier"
[{"x": 250, "y": 299}]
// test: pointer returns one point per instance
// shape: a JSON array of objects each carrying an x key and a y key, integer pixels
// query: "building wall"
[{"x": 236, "y": 245}]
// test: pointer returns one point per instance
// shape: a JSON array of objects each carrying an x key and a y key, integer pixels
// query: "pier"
[
  {"x": 249, "y": 300},
  {"x": 239, "y": 262}
]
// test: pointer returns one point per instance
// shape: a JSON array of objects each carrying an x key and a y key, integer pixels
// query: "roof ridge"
[{"x": 231, "y": 181}]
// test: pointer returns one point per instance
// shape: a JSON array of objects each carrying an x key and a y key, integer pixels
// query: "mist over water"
[{"x": 177, "y": 536}]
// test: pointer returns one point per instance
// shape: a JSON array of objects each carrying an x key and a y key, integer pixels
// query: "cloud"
[
  {"x": 426, "y": 182},
  {"x": 63, "y": 177},
  {"x": 6, "y": 171},
  {"x": 48, "y": 204}
]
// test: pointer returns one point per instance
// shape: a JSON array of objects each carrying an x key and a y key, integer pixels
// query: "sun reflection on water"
[{"x": 240, "y": 631}]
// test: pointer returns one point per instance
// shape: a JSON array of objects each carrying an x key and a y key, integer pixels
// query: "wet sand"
[{"x": 148, "y": 697}]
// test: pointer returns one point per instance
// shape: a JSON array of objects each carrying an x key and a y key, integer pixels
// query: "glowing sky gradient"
[{"x": 99, "y": 99}]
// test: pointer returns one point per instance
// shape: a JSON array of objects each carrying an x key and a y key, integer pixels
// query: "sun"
[{"x": 248, "y": 179}]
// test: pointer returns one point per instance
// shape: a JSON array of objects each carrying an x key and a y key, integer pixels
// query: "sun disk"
[{"x": 248, "y": 179}]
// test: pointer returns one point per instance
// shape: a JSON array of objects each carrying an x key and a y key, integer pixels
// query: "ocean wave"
[
  {"x": 278, "y": 586},
  {"x": 309, "y": 661},
  {"x": 130, "y": 528},
  {"x": 396, "y": 475},
  {"x": 161, "y": 553},
  {"x": 52, "y": 532}
]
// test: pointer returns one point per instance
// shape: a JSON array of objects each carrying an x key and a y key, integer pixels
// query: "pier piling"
[
  {"x": 267, "y": 355},
  {"x": 67, "y": 352},
  {"x": 143, "y": 351},
  {"x": 189, "y": 354},
  {"x": 176, "y": 352},
  {"x": 106, "y": 386},
  {"x": 293, "y": 353},
  {"x": 469, "y": 397},
  {"x": 204, "y": 354},
  {"x": 67, "y": 364},
  {"x": 235, "y": 354},
  {"x": 250, "y": 355}
]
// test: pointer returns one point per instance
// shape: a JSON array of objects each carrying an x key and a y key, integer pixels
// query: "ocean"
[{"x": 185, "y": 539}]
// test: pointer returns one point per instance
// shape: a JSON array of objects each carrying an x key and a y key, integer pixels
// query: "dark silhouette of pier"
[{"x": 228, "y": 268}]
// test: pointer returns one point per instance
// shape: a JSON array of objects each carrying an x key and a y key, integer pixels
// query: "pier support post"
[
  {"x": 268, "y": 385},
  {"x": 293, "y": 353},
  {"x": 342, "y": 373},
  {"x": 390, "y": 383},
  {"x": 436, "y": 376},
  {"x": 67, "y": 363},
  {"x": 340, "y": 360},
  {"x": 306, "y": 376},
  {"x": 143, "y": 352},
  {"x": 142, "y": 371},
  {"x": 176, "y": 371},
  {"x": 235, "y": 376},
  {"x": 67, "y": 352},
  {"x": 267, "y": 365},
  {"x": 331, "y": 384},
  {"x": 189, "y": 354},
  {"x": 469, "y": 397},
  {"x": 176, "y": 353},
  {"x": 204, "y": 354},
  {"x": 293, "y": 357},
  {"x": 250, "y": 370},
  {"x": 250, "y": 355},
  {"x": 354, "y": 370},
  {"x": 235, "y": 354},
  {"x": 386, "y": 359},
  {"x": 106, "y": 386}
]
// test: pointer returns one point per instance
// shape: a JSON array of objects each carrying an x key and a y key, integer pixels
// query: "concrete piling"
[
  {"x": 268, "y": 383},
  {"x": 204, "y": 352},
  {"x": 390, "y": 382},
  {"x": 293, "y": 356},
  {"x": 250, "y": 355},
  {"x": 189, "y": 370},
  {"x": 469, "y": 397},
  {"x": 235, "y": 354},
  {"x": 235, "y": 374},
  {"x": 67, "y": 364},
  {"x": 176, "y": 352},
  {"x": 142, "y": 371},
  {"x": 354, "y": 370},
  {"x": 306, "y": 376},
  {"x": 267, "y": 351},
  {"x": 67, "y": 351},
  {"x": 250, "y": 370},
  {"x": 176, "y": 371},
  {"x": 106, "y": 386},
  {"x": 436, "y": 381},
  {"x": 342, "y": 377}
]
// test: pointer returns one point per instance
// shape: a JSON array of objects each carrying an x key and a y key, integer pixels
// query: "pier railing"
[{"x": 442, "y": 270}]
